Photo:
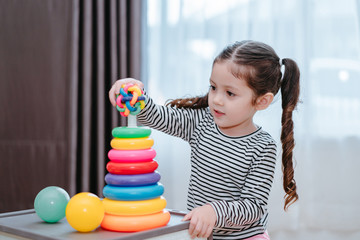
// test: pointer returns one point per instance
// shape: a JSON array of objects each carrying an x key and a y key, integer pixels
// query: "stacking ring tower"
[{"x": 133, "y": 195}]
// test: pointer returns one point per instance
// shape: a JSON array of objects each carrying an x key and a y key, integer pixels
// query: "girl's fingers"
[
  {"x": 208, "y": 232},
  {"x": 112, "y": 96},
  {"x": 205, "y": 232},
  {"x": 194, "y": 228},
  {"x": 200, "y": 230},
  {"x": 187, "y": 217}
]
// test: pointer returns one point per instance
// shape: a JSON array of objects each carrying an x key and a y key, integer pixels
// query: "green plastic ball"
[{"x": 50, "y": 204}]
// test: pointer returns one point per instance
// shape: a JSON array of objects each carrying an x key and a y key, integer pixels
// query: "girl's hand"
[
  {"x": 202, "y": 221},
  {"x": 115, "y": 89}
]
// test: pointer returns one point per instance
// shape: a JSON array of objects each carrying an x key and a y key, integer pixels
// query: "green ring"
[{"x": 131, "y": 132}]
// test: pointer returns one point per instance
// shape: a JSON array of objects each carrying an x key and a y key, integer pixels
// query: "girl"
[{"x": 232, "y": 158}]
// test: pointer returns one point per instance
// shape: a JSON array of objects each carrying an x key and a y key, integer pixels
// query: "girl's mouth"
[{"x": 218, "y": 113}]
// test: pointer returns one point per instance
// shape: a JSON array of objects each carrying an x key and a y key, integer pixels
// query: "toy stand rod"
[{"x": 132, "y": 121}]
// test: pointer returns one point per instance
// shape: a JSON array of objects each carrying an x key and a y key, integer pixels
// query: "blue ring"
[
  {"x": 128, "y": 105},
  {"x": 137, "y": 109},
  {"x": 122, "y": 92},
  {"x": 124, "y": 99},
  {"x": 133, "y": 193},
  {"x": 132, "y": 180}
]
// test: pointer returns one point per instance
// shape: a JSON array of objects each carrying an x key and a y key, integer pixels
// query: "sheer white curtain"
[{"x": 183, "y": 37}]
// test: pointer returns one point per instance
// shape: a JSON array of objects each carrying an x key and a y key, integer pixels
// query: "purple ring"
[{"x": 132, "y": 180}]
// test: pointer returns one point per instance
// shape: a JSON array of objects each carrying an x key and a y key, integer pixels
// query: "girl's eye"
[
  {"x": 230, "y": 93},
  {"x": 212, "y": 87}
]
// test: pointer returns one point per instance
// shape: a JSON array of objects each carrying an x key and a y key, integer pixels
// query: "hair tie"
[{"x": 282, "y": 70}]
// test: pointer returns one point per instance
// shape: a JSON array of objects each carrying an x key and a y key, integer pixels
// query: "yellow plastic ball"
[{"x": 85, "y": 212}]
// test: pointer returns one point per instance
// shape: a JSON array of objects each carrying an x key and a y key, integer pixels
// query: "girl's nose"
[{"x": 217, "y": 99}]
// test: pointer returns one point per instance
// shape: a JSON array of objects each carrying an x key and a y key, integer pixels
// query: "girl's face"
[{"x": 231, "y": 101}]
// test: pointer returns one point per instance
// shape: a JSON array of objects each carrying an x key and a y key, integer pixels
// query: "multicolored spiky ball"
[{"x": 130, "y": 100}]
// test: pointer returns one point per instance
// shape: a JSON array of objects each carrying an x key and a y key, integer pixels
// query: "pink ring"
[
  {"x": 127, "y": 86},
  {"x": 144, "y": 155},
  {"x": 118, "y": 101}
]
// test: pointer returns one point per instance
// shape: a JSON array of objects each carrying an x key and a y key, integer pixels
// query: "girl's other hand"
[
  {"x": 202, "y": 221},
  {"x": 115, "y": 89}
]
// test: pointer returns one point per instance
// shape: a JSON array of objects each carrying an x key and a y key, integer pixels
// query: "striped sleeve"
[
  {"x": 254, "y": 196},
  {"x": 174, "y": 121}
]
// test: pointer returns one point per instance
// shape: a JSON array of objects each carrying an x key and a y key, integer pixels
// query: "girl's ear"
[{"x": 264, "y": 101}]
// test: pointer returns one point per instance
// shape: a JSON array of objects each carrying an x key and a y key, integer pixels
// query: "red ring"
[{"x": 131, "y": 168}]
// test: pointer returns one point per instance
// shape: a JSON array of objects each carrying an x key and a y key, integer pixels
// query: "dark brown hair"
[{"x": 260, "y": 66}]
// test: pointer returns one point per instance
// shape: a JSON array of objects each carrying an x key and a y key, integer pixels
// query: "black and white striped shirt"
[{"x": 233, "y": 174}]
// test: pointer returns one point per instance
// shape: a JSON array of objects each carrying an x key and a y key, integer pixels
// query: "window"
[{"x": 322, "y": 36}]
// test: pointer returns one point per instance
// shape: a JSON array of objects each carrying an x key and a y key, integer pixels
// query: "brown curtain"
[{"x": 58, "y": 60}]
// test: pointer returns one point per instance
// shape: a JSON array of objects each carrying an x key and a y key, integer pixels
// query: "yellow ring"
[
  {"x": 127, "y": 208},
  {"x": 135, "y": 223},
  {"x": 142, "y": 104},
  {"x": 132, "y": 143},
  {"x": 135, "y": 89}
]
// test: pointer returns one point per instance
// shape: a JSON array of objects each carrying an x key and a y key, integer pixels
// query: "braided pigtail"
[
  {"x": 195, "y": 103},
  {"x": 290, "y": 89}
]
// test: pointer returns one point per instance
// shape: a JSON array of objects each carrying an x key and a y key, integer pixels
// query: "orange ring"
[
  {"x": 134, "y": 208},
  {"x": 135, "y": 223},
  {"x": 134, "y": 99}
]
